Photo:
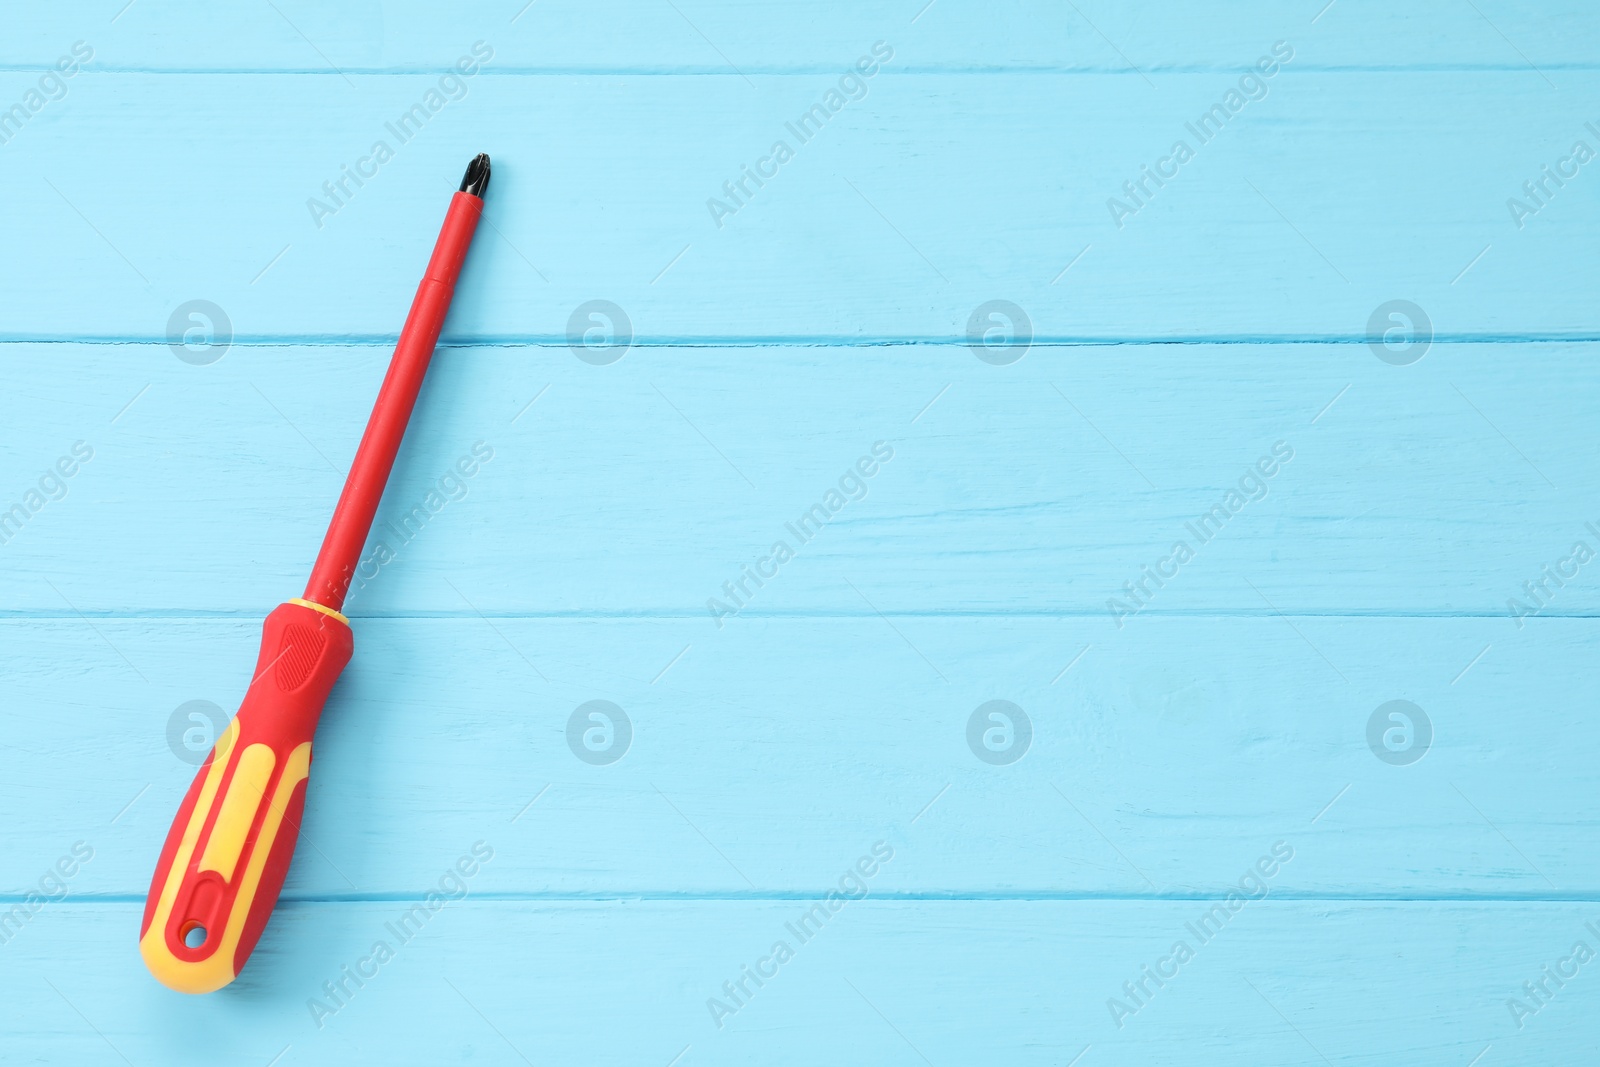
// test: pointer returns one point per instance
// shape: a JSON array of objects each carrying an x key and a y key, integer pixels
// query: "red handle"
[{"x": 229, "y": 848}]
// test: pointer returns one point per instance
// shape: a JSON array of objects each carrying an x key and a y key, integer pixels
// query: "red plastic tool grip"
[{"x": 228, "y": 851}]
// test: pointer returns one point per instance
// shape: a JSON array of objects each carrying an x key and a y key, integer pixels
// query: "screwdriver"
[{"x": 229, "y": 848}]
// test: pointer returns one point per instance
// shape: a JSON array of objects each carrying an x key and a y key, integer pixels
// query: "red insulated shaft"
[{"x": 369, "y": 472}]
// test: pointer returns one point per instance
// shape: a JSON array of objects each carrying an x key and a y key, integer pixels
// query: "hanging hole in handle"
[{"x": 194, "y": 935}]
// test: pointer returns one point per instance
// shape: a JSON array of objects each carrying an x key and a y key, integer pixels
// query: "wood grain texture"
[
  {"x": 909, "y": 210},
  {"x": 562, "y": 529},
  {"x": 1158, "y": 755},
  {"x": 883, "y": 982},
  {"x": 727, "y": 37},
  {"x": 642, "y": 487}
]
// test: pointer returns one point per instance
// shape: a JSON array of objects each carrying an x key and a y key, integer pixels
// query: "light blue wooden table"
[{"x": 1195, "y": 381}]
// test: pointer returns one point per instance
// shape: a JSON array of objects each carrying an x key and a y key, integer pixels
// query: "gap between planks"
[
  {"x": 322, "y": 340},
  {"x": 930, "y": 896}
]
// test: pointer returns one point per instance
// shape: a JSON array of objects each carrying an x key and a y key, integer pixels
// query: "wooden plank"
[
  {"x": 968, "y": 982},
  {"x": 644, "y": 486},
  {"x": 1319, "y": 235},
  {"x": 1157, "y": 757},
  {"x": 1248, "y": 721},
  {"x": 727, "y": 37}
]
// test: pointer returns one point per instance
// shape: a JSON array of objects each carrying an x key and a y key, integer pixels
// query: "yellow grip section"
[
  {"x": 213, "y": 964},
  {"x": 239, "y": 806}
]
